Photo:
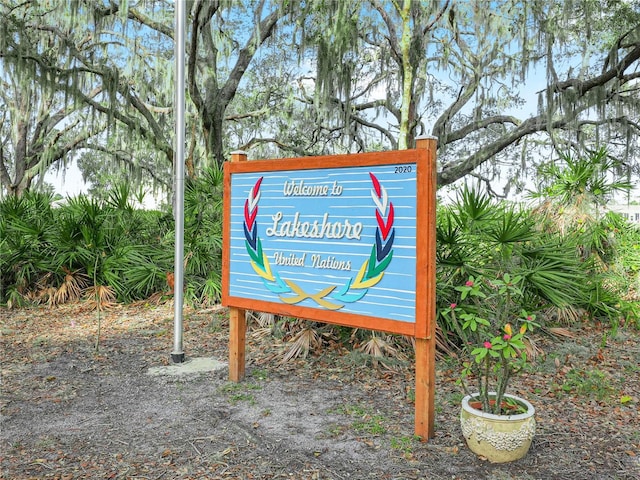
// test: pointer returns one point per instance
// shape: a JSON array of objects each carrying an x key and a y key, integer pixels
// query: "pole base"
[{"x": 177, "y": 358}]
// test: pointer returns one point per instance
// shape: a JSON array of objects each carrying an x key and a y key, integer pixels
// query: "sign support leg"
[
  {"x": 237, "y": 342},
  {"x": 425, "y": 389},
  {"x": 425, "y": 340}
]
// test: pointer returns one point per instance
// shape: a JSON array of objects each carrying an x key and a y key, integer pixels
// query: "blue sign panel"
[{"x": 341, "y": 239}]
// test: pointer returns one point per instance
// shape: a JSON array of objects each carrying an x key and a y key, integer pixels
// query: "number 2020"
[{"x": 403, "y": 169}]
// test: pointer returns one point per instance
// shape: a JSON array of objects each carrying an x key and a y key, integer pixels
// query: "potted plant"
[{"x": 492, "y": 326}]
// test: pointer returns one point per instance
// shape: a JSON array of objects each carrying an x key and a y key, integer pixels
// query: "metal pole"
[{"x": 177, "y": 356}]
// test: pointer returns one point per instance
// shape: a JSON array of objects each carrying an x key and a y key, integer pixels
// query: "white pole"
[{"x": 177, "y": 356}]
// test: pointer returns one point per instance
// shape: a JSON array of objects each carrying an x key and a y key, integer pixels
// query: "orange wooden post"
[
  {"x": 425, "y": 341},
  {"x": 237, "y": 322},
  {"x": 237, "y": 342}
]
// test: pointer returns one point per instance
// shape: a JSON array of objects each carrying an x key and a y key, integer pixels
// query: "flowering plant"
[{"x": 491, "y": 326}]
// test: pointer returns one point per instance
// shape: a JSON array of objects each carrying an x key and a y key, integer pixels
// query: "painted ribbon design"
[{"x": 370, "y": 273}]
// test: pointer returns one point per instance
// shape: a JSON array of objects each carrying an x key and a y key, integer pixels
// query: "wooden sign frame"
[{"x": 422, "y": 329}]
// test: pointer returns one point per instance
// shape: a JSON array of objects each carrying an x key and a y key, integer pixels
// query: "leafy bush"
[
  {"x": 478, "y": 237},
  {"x": 26, "y": 245},
  {"x": 203, "y": 236},
  {"x": 577, "y": 191},
  {"x": 60, "y": 253},
  {"x": 55, "y": 253}
]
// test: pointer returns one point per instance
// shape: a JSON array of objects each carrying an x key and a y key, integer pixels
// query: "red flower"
[
  {"x": 469, "y": 283},
  {"x": 453, "y": 305},
  {"x": 506, "y": 337},
  {"x": 487, "y": 345}
]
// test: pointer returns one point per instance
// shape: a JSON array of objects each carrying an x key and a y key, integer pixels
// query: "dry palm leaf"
[
  {"x": 444, "y": 347},
  {"x": 71, "y": 288},
  {"x": 378, "y": 348},
  {"x": 560, "y": 332},
  {"x": 533, "y": 350},
  {"x": 567, "y": 315},
  {"x": 301, "y": 344},
  {"x": 261, "y": 333},
  {"x": 263, "y": 319},
  {"x": 46, "y": 294},
  {"x": 100, "y": 296},
  {"x": 153, "y": 299}
]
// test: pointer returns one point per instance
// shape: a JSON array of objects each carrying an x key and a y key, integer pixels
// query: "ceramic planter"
[{"x": 499, "y": 438}]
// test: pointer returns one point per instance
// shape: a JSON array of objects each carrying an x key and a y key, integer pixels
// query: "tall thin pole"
[{"x": 177, "y": 356}]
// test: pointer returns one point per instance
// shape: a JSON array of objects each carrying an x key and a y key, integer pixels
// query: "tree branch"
[
  {"x": 282, "y": 146},
  {"x": 616, "y": 71},
  {"x": 126, "y": 158},
  {"x": 479, "y": 125},
  {"x": 391, "y": 26},
  {"x": 456, "y": 170},
  {"x": 263, "y": 30}
]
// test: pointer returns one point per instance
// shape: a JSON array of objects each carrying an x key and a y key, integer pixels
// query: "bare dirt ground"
[{"x": 68, "y": 413}]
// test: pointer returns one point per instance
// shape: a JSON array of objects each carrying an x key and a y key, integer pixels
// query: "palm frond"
[
  {"x": 301, "y": 344},
  {"x": 261, "y": 333},
  {"x": 564, "y": 315},
  {"x": 263, "y": 319},
  {"x": 561, "y": 332},
  {"x": 71, "y": 288},
  {"x": 100, "y": 297},
  {"x": 378, "y": 347}
]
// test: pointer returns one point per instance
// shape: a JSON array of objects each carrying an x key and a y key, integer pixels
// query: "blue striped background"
[{"x": 392, "y": 298}]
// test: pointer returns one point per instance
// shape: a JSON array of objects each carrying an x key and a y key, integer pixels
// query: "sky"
[{"x": 67, "y": 182}]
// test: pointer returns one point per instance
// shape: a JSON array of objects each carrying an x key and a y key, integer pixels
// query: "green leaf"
[
  {"x": 483, "y": 321},
  {"x": 480, "y": 353},
  {"x": 624, "y": 399}
]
